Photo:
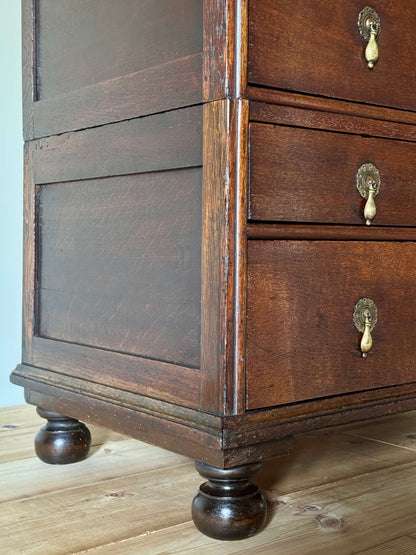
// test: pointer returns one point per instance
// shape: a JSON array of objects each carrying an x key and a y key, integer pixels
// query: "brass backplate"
[
  {"x": 365, "y": 310},
  {"x": 366, "y": 18},
  {"x": 368, "y": 177}
]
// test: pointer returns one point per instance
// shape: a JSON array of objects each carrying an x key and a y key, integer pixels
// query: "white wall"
[{"x": 11, "y": 198}]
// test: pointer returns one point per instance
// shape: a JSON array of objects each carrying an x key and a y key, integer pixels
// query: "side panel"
[
  {"x": 114, "y": 293},
  {"x": 91, "y": 63},
  {"x": 120, "y": 263}
]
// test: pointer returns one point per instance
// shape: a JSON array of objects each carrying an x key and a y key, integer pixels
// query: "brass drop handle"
[
  {"x": 370, "y": 27},
  {"x": 365, "y": 319},
  {"x": 366, "y": 340},
  {"x": 371, "y": 52},
  {"x": 368, "y": 183},
  {"x": 370, "y": 206}
]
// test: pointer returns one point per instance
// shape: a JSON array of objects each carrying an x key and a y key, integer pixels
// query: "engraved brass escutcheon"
[
  {"x": 365, "y": 319},
  {"x": 370, "y": 29},
  {"x": 368, "y": 183}
]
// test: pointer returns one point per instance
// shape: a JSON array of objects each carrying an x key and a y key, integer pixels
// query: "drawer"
[
  {"x": 301, "y": 340},
  {"x": 306, "y": 175},
  {"x": 315, "y": 47}
]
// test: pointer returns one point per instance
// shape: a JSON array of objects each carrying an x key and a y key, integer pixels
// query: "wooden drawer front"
[
  {"x": 316, "y": 47},
  {"x": 305, "y": 175},
  {"x": 301, "y": 339}
]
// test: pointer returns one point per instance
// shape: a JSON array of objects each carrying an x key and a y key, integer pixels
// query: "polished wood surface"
[
  {"x": 61, "y": 440},
  {"x": 297, "y": 232},
  {"x": 317, "y": 48},
  {"x": 304, "y": 175},
  {"x": 146, "y": 33},
  {"x": 225, "y": 49},
  {"x": 98, "y": 104},
  {"x": 161, "y": 142},
  {"x": 301, "y": 340},
  {"x": 173, "y": 294},
  {"x": 331, "y": 105},
  {"x": 299, "y": 116},
  {"x": 224, "y": 221},
  {"x": 229, "y": 506},
  {"x": 81, "y": 61},
  {"x": 126, "y": 252},
  {"x": 341, "y": 490},
  {"x": 71, "y": 175}
]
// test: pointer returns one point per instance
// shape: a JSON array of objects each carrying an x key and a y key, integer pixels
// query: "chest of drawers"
[{"x": 219, "y": 228}]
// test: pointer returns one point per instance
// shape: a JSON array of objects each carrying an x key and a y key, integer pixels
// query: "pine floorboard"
[{"x": 345, "y": 490}]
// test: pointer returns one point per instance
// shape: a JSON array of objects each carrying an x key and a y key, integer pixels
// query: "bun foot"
[
  {"x": 62, "y": 440},
  {"x": 228, "y": 506}
]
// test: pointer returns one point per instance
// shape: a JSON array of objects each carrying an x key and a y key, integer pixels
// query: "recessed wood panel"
[
  {"x": 316, "y": 47},
  {"x": 301, "y": 340},
  {"x": 119, "y": 264},
  {"x": 307, "y": 175},
  {"x": 83, "y": 43}
]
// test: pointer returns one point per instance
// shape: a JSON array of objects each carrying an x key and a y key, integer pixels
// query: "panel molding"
[
  {"x": 99, "y": 104},
  {"x": 161, "y": 142},
  {"x": 161, "y": 380}
]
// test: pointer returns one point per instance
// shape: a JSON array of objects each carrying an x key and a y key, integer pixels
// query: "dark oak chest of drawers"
[{"x": 219, "y": 227}]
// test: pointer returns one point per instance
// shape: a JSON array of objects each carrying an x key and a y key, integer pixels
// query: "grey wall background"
[{"x": 11, "y": 198}]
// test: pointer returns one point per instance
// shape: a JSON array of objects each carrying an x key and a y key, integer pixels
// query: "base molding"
[
  {"x": 192, "y": 433},
  {"x": 220, "y": 441}
]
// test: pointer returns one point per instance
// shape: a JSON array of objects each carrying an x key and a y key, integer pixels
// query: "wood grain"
[
  {"x": 301, "y": 341},
  {"x": 225, "y": 49},
  {"x": 160, "y": 142},
  {"x": 335, "y": 491},
  {"x": 98, "y": 104},
  {"x": 223, "y": 255},
  {"x": 236, "y": 375},
  {"x": 317, "y": 48},
  {"x": 330, "y": 121},
  {"x": 303, "y": 175},
  {"x": 29, "y": 256},
  {"x": 103, "y": 40},
  {"x": 335, "y": 106},
  {"x": 104, "y": 152},
  {"x": 189, "y": 437},
  {"x": 122, "y": 371},
  {"x": 74, "y": 76},
  {"x": 119, "y": 264},
  {"x": 115, "y": 498},
  {"x": 214, "y": 252},
  {"x": 299, "y": 232},
  {"x": 29, "y": 74}
]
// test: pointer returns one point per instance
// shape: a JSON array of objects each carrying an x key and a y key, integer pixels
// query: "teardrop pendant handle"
[
  {"x": 365, "y": 319},
  {"x": 369, "y": 25},
  {"x": 366, "y": 340},
  {"x": 368, "y": 183},
  {"x": 370, "y": 207},
  {"x": 371, "y": 52}
]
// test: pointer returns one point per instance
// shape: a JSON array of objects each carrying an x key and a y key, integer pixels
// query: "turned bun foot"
[
  {"x": 228, "y": 506},
  {"x": 62, "y": 440}
]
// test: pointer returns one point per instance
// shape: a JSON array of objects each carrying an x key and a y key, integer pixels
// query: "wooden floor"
[{"x": 345, "y": 490}]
